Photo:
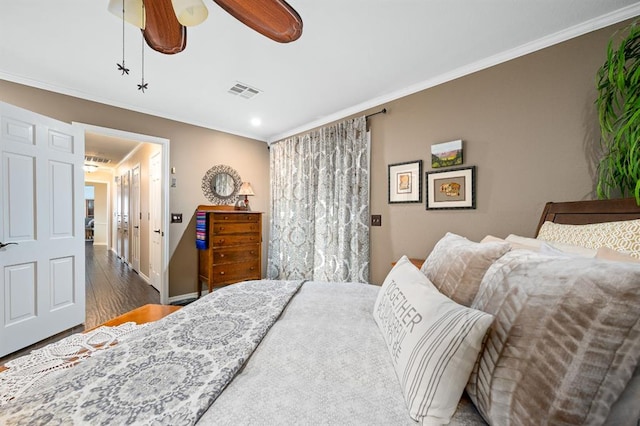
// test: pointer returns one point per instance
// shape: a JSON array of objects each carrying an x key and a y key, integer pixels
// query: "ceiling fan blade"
[
  {"x": 163, "y": 33},
  {"x": 272, "y": 18}
]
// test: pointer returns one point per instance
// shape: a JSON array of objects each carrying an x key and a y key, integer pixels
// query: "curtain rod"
[{"x": 382, "y": 111}]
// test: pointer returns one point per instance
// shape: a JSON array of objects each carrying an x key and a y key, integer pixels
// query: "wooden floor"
[{"x": 112, "y": 288}]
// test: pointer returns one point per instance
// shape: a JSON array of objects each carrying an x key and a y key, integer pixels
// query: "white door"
[
  {"x": 118, "y": 214},
  {"x": 135, "y": 218},
  {"x": 125, "y": 217},
  {"x": 155, "y": 219},
  {"x": 42, "y": 282}
]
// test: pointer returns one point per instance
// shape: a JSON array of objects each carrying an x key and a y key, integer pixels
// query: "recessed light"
[{"x": 256, "y": 122}]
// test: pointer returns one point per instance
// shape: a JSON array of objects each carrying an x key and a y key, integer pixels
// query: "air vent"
[
  {"x": 92, "y": 159},
  {"x": 244, "y": 90}
]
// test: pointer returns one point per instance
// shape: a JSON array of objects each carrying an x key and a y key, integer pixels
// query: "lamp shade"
[
  {"x": 246, "y": 189},
  {"x": 190, "y": 12},
  {"x": 133, "y": 11}
]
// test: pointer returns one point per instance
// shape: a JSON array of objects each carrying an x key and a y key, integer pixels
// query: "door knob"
[{"x": 2, "y": 245}]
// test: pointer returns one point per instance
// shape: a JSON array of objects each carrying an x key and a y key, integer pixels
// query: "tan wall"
[
  {"x": 102, "y": 180},
  {"x": 101, "y": 217},
  {"x": 193, "y": 150},
  {"x": 530, "y": 127}
]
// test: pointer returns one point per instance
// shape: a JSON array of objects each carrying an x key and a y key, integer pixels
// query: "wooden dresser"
[{"x": 234, "y": 247}]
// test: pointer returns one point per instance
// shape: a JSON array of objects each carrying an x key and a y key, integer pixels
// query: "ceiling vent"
[
  {"x": 93, "y": 159},
  {"x": 244, "y": 90}
]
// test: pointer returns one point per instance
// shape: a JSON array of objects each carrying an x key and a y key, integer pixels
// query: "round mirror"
[{"x": 221, "y": 185}]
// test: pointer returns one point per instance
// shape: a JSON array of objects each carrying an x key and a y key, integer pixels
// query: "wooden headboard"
[{"x": 585, "y": 212}]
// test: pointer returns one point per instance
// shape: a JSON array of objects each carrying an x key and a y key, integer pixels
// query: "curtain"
[{"x": 320, "y": 205}]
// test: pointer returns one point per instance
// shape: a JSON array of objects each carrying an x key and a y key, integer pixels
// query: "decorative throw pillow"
[
  {"x": 433, "y": 341},
  {"x": 565, "y": 341},
  {"x": 456, "y": 265},
  {"x": 622, "y": 236}
]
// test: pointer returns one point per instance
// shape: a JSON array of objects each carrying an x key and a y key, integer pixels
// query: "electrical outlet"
[
  {"x": 176, "y": 217},
  {"x": 376, "y": 220}
]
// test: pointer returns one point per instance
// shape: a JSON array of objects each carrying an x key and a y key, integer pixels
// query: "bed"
[{"x": 511, "y": 330}]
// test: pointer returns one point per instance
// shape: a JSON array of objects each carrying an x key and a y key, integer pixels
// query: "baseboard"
[
  {"x": 144, "y": 277},
  {"x": 184, "y": 297}
]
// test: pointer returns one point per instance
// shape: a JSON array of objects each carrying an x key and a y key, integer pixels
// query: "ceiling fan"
[{"x": 164, "y": 22}]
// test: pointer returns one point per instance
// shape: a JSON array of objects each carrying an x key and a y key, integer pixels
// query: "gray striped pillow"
[
  {"x": 433, "y": 341},
  {"x": 565, "y": 341}
]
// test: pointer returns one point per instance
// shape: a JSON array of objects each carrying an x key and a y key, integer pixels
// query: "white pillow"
[
  {"x": 606, "y": 253},
  {"x": 433, "y": 341},
  {"x": 524, "y": 242},
  {"x": 550, "y": 247},
  {"x": 515, "y": 242}
]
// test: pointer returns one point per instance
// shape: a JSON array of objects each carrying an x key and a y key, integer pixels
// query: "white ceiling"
[
  {"x": 353, "y": 55},
  {"x": 107, "y": 147}
]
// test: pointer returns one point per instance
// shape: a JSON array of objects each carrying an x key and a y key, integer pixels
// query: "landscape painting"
[{"x": 446, "y": 154}]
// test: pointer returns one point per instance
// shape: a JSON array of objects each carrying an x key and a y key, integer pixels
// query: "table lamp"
[{"x": 246, "y": 190}]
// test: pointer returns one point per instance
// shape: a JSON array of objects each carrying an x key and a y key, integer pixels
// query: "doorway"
[
  {"x": 161, "y": 206},
  {"x": 97, "y": 198}
]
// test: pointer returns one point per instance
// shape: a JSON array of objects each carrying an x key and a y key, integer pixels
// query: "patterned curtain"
[{"x": 320, "y": 205}]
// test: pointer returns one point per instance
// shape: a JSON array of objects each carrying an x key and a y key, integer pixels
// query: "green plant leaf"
[{"x": 618, "y": 107}]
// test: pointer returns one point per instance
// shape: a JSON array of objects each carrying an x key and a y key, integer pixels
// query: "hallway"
[{"x": 112, "y": 288}]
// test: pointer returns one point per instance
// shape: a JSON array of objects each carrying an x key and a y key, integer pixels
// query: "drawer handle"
[
  {"x": 222, "y": 273},
  {"x": 252, "y": 252},
  {"x": 226, "y": 218},
  {"x": 221, "y": 254},
  {"x": 221, "y": 240},
  {"x": 252, "y": 268},
  {"x": 222, "y": 228}
]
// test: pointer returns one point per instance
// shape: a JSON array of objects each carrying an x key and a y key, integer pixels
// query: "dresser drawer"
[
  {"x": 222, "y": 228},
  {"x": 233, "y": 272},
  {"x": 236, "y": 254},
  {"x": 234, "y": 249},
  {"x": 234, "y": 239},
  {"x": 237, "y": 217}
]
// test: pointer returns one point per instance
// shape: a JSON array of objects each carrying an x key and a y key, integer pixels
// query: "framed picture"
[
  {"x": 446, "y": 154},
  {"x": 405, "y": 183},
  {"x": 451, "y": 189}
]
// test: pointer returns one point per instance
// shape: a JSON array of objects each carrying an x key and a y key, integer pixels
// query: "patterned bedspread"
[{"x": 170, "y": 373}]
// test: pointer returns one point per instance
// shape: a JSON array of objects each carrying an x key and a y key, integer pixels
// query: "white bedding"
[{"x": 323, "y": 362}]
